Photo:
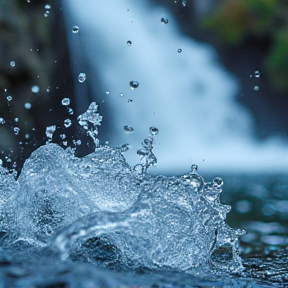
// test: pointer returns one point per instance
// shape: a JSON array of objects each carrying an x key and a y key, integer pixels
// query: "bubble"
[
  {"x": 12, "y": 63},
  {"x": 16, "y": 130},
  {"x": 218, "y": 182},
  {"x": 134, "y": 85},
  {"x": 179, "y": 50},
  {"x": 184, "y": 3},
  {"x": 35, "y": 89},
  {"x": 65, "y": 101},
  {"x": 164, "y": 20},
  {"x": 194, "y": 168},
  {"x": 27, "y": 105},
  {"x": 81, "y": 77},
  {"x": 257, "y": 74},
  {"x": 75, "y": 29},
  {"x": 129, "y": 43},
  {"x": 67, "y": 123},
  {"x": 9, "y": 98},
  {"x": 256, "y": 88},
  {"x": 128, "y": 129},
  {"x": 153, "y": 131},
  {"x": 47, "y": 6}
]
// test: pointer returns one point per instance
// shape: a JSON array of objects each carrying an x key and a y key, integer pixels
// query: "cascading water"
[{"x": 181, "y": 89}]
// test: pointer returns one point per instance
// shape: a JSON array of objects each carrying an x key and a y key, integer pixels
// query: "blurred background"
[{"x": 211, "y": 75}]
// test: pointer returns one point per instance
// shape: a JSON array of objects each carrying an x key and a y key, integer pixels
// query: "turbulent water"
[{"x": 96, "y": 221}]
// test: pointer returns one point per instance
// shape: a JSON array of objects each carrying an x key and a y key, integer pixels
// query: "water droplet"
[
  {"x": 164, "y": 20},
  {"x": 128, "y": 129},
  {"x": 125, "y": 147},
  {"x": 218, "y": 182},
  {"x": 121, "y": 94},
  {"x": 50, "y": 131},
  {"x": 46, "y": 14},
  {"x": 67, "y": 123},
  {"x": 81, "y": 77},
  {"x": 70, "y": 111},
  {"x": 184, "y": 3},
  {"x": 62, "y": 136},
  {"x": 257, "y": 74},
  {"x": 16, "y": 119},
  {"x": 47, "y": 6},
  {"x": 194, "y": 168},
  {"x": 27, "y": 136},
  {"x": 12, "y": 63},
  {"x": 27, "y": 105},
  {"x": 2, "y": 121},
  {"x": 65, "y": 101},
  {"x": 75, "y": 29},
  {"x": 129, "y": 43},
  {"x": 153, "y": 131},
  {"x": 256, "y": 88},
  {"x": 35, "y": 89},
  {"x": 9, "y": 98},
  {"x": 130, "y": 100},
  {"x": 179, "y": 50},
  {"x": 107, "y": 92},
  {"x": 134, "y": 85},
  {"x": 16, "y": 130}
]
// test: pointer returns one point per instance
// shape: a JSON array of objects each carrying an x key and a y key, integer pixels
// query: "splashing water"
[{"x": 100, "y": 209}]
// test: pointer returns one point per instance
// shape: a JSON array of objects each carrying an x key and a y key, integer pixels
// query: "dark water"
[{"x": 259, "y": 205}]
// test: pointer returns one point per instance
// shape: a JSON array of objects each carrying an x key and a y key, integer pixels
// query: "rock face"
[{"x": 33, "y": 47}]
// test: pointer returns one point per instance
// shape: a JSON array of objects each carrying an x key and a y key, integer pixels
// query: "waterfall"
[{"x": 185, "y": 93}]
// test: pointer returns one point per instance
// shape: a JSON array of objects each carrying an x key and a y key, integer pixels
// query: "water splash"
[{"x": 102, "y": 210}]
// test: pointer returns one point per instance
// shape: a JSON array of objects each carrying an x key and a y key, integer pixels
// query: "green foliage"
[
  {"x": 233, "y": 21},
  {"x": 277, "y": 60}
]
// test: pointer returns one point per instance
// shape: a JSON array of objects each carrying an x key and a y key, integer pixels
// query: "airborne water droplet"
[
  {"x": 50, "y": 131},
  {"x": 81, "y": 77},
  {"x": 128, "y": 129},
  {"x": 134, "y": 85},
  {"x": 35, "y": 89},
  {"x": 27, "y": 105},
  {"x": 47, "y": 6},
  {"x": 194, "y": 168},
  {"x": 179, "y": 50},
  {"x": 2, "y": 121},
  {"x": 218, "y": 182},
  {"x": 16, "y": 130},
  {"x": 12, "y": 63},
  {"x": 129, "y": 43},
  {"x": 125, "y": 147},
  {"x": 67, "y": 123},
  {"x": 75, "y": 29},
  {"x": 65, "y": 101},
  {"x": 257, "y": 74},
  {"x": 256, "y": 88},
  {"x": 153, "y": 131},
  {"x": 164, "y": 20},
  {"x": 9, "y": 98},
  {"x": 184, "y": 3}
]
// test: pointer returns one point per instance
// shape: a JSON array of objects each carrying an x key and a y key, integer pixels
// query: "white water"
[{"x": 189, "y": 96}]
